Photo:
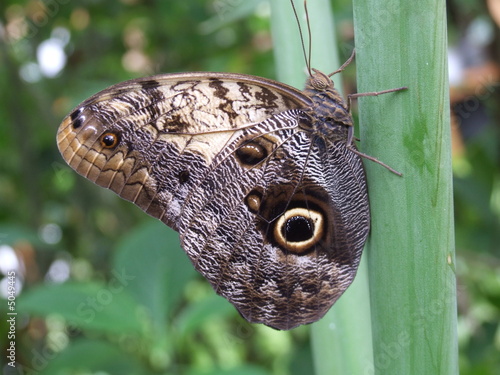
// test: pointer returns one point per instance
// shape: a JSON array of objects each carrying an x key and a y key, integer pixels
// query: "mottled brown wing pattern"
[
  {"x": 270, "y": 204},
  {"x": 268, "y": 281}
]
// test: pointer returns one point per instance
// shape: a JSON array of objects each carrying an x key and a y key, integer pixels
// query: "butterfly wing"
[{"x": 273, "y": 216}]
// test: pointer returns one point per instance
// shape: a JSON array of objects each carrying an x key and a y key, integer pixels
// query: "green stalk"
[
  {"x": 341, "y": 341},
  {"x": 411, "y": 246}
]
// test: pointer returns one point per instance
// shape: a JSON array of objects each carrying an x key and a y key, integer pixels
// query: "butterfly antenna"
[
  {"x": 309, "y": 37},
  {"x": 302, "y": 36}
]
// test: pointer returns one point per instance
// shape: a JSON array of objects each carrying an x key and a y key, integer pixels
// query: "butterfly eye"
[
  {"x": 109, "y": 140},
  {"x": 321, "y": 81}
]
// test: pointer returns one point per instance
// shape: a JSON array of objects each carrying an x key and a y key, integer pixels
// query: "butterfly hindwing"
[{"x": 234, "y": 239}]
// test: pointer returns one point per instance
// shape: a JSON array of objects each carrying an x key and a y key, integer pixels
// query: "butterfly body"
[
  {"x": 257, "y": 177},
  {"x": 328, "y": 112}
]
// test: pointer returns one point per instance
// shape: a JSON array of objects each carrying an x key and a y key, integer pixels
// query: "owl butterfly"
[{"x": 262, "y": 181}]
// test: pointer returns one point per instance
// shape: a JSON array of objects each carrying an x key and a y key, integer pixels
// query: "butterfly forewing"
[
  {"x": 154, "y": 115},
  {"x": 269, "y": 206}
]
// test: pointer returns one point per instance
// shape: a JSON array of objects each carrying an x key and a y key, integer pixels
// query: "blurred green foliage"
[{"x": 131, "y": 302}]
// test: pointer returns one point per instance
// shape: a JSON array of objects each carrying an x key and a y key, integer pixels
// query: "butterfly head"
[
  {"x": 319, "y": 81},
  {"x": 320, "y": 88}
]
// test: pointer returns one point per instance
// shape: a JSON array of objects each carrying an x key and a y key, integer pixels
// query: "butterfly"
[{"x": 262, "y": 181}]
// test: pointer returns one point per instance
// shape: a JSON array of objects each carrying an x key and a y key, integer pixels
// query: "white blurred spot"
[
  {"x": 480, "y": 32},
  {"x": 10, "y": 267},
  {"x": 59, "y": 271},
  {"x": 57, "y": 338},
  {"x": 263, "y": 9},
  {"x": 62, "y": 34},
  {"x": 8, "y": 260},
  {"x": 5, "y": 283},
  {"x": 135, "y": 61},
  {"x": 51, "y": 57},
  {"x": 455, "y": 67},
  {"x": 30, "y": 72},
  {"x": 50, "y": 53},
  {"x": 51, "y": 233}
]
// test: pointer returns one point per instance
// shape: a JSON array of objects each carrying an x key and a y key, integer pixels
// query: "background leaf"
[
  {"x": 99, "y": 357},
  {"x": 92, "y": 306},
  {"x": 160, "y": 269}
]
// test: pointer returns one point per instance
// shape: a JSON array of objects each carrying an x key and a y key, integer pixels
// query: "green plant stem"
[
  {"x": 341, "y": 341},
  {"x": 411, "y": 246}
]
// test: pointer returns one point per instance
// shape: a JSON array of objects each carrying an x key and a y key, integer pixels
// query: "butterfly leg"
[
  {"x": 352, "y": 148},
  {"x": 374, "y": 93},
  {"x": 350, "y": 134},
  {"x": 344, "y": 65}
]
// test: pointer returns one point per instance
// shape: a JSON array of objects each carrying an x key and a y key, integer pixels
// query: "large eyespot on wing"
[
  {"x": 297, "y": 223},
  {"x": 300, "y": 260}
]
